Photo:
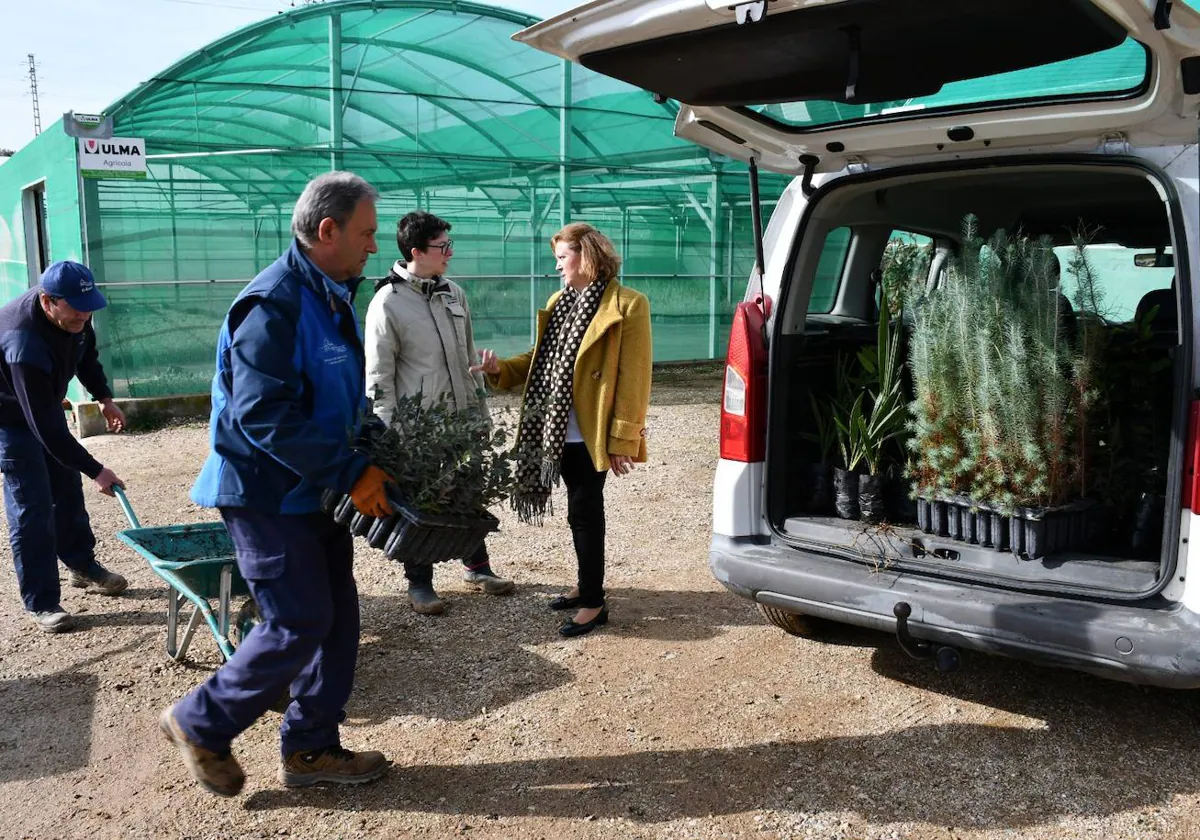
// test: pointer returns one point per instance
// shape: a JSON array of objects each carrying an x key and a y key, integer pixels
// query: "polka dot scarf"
[{"x": 543, "y": 428}]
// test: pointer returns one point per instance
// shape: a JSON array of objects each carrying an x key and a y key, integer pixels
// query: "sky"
[{"x": 90, "y": 53}]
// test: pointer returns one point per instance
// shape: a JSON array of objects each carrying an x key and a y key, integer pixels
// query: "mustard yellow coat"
[{"x": 611, "y": 385}]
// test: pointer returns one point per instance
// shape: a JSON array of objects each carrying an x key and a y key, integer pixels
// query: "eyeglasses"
[{"x": 445, "y": 247}]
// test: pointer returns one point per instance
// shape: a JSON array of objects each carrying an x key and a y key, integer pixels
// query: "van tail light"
[
  {"x": 1191, "y": 463},
  {"x": 744, "y": 400}
]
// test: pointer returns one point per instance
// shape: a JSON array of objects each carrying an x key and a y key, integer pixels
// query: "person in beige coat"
[
  {"x": 419, "y": 341},
  {"x": 586, "y": 392}
]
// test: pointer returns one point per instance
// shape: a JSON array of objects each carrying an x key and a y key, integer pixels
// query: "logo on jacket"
[{"x": 332, "y": 353}]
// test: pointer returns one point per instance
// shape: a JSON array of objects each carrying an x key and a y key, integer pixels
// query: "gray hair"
[{"x": 333, "y": 195}]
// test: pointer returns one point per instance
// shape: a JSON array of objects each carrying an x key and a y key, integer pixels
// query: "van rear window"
[{"x": 1118, "y": 72}]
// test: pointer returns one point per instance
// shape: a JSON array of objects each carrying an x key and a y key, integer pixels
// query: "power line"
[{"x": 37, "y": 111}]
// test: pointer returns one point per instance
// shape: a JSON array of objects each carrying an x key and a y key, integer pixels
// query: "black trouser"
[
  {"x": 421, "y": 574},
  {"x": 585, "y": 513}
]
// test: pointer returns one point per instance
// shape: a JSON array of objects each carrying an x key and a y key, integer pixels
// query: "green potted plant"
[
  {"x": 449, "y": 466},
  {"x": 879, "y": 415},
  {"x": 868, "y": 415},
  {"x": 845, "y": 410},
  {"x": 846, "y": 485},
  {"x": 1001, "y": 436}
]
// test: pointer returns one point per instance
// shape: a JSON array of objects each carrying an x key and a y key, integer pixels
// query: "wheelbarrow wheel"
[{"x": 246, "y": 620}]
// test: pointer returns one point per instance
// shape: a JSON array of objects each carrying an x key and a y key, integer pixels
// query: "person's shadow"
[
  {"x": 46, "y": 721},
  {"x": 949, "y": 774},
  {"x": 1061, "y": 744},
  {"x": 483, "y": 654}
]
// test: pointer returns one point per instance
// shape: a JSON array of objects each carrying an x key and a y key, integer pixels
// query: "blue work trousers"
[
  {"x": 300, "y": 570},
  {"x": 47, "y": 520}
]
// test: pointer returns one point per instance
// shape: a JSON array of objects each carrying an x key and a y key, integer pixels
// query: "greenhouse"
[{"x": 435, "y": 105}]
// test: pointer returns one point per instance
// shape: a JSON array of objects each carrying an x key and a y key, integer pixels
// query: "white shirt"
[{"x": 573, "y": 433}]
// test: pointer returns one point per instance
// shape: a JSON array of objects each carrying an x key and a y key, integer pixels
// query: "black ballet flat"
[
  {"x": 571, "y": 629},
  {"x": 565, "y": 602}
]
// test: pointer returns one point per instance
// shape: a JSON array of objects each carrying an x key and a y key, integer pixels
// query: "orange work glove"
[{"x": 368, "y": 493}]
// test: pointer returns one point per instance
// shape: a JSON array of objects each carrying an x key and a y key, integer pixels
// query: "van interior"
[{"x": 829, "y": 309}]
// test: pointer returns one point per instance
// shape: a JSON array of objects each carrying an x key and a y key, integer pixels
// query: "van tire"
[{"x": 793, "y": 624}]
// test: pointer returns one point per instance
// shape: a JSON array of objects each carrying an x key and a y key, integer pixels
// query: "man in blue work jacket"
[
  {"x": 288, "y": 400},
  {"x": 46, "y": 338}
]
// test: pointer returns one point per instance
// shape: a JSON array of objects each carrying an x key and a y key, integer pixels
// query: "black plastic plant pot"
[
  {"x": 381, "y": 531},
  {"x": 845, "y": 493},
  {"x": 345, "y": 511},
  {"x": 1016, "y": 536},
  {"x": 937, "y": 519},
  {"x": 1000, "y": 532},
  {"x": 954, "y": 522},
  {"x": 361, "y": 524},
  {"x": 330, "y": 499},
  {"x": 426, "y": 538},
  {"x": 1034, "y": 543},
  {"x": 376, "y": 530},
  {"x": 969, "y": 520},
  {"x": 983, "y": 528},
  {"x": 871, "y": 506},
  {"x": 818, "y": 497},
  {"x": 923, "y": 515},
  {"x": 897, "y": 495},
  {"x": 1028, "y": 533}
]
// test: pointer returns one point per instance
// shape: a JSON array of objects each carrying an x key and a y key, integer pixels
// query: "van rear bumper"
[{"x": 1162, "y": 640}]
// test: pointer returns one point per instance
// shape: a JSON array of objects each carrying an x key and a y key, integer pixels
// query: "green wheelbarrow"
[{"x": 197, "y": 562}]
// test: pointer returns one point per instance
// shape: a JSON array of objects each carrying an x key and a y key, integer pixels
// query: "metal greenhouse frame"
[{"x": 433, "y": 103}]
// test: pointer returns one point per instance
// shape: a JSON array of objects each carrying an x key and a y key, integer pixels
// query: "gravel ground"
[{"x": 687, "y": 717}]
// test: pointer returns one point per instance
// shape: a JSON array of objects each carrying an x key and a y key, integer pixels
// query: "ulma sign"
[{"x": 116, "y": 157}]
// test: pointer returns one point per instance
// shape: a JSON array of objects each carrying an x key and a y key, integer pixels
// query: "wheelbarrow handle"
[{"x": 125, "y": 506}]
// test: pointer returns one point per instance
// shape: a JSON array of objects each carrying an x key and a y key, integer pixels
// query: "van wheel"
[{"x": 791, "y": 623}]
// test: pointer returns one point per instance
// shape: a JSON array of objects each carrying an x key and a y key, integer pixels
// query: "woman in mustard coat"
[{"x": 586, "y": 390}]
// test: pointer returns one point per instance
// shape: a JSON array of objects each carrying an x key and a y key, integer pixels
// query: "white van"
[{"x": 898, "y": 118}]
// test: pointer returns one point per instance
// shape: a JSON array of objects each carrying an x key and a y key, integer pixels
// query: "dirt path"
[{"x": 687, "y": 717}]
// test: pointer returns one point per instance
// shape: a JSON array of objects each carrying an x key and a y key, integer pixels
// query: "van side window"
[
  {"x": 904, "y": 267},
  {"x": 830, "y": 267}
]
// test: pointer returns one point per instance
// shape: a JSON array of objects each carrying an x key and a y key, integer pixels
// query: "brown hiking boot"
[
  {"x": 219, "y": 773},
  {"x": 332, "y": 764}
]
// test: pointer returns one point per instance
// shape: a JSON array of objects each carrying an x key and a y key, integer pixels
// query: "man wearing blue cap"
[{"x": 46, "y": 338}]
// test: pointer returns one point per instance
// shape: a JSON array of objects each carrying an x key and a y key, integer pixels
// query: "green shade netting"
[{"x": 436, "y": 106}]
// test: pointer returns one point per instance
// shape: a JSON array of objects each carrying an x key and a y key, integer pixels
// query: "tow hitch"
[{"x": 945, "y": 658}]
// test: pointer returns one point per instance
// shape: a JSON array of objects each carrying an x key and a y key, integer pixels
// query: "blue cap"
[{"x": 74, "y": 283}]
